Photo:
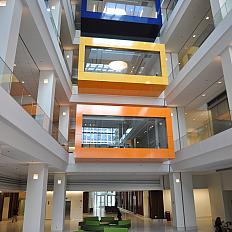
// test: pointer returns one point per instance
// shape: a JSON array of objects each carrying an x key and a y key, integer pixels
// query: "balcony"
[
  {"x": 123, "y": 133},
  {"x": 16, "y": 89},
  {"x": 135, "y": 20},
  {"x": 118, "y": 67}
]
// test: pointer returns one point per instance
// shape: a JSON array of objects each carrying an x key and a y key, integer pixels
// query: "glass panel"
[
  {"x": 134, "y": 62},
  {"x": 145, "y": 8},
  {"x": 123, "y": 132}
]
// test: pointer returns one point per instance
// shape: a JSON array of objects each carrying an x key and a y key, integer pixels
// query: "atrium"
[{"x": 115, "y": 115}]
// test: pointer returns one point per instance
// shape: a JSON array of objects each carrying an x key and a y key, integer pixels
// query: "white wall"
[
  {"x": 76, "y": 198},
  {"x": 202, "y": 203}
]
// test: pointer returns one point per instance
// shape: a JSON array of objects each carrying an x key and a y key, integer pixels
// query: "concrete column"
[
  {"x": 58, "y": 208},
  {"x": 183, "y": 208},
  {"x": 46, "y": 93},
  {"x": 226, "y": 58},
  {"x": 216, "y": 196},
  {"x": 34, "y": 214},
  {"x": 56, "y": 10},
  {"x": 10, "y": 20},
  {"x": 69, "y": 58},
  {"x": 146, "y": 211}
]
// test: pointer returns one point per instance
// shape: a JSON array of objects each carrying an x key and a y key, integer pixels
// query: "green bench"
[
  {"x": 92, "y": 226},
  {"x": 109, "y": 229},
  {"x": 108, "y": 219}
]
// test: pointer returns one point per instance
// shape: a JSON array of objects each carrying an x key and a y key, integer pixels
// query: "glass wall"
[
  {"x": 133, "y": 62},
  {"x": 123, "y": 132},
  {"x": 144, "y": 8}
]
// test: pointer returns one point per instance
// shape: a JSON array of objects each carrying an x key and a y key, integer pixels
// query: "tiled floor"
[{"x": 138, "y": 225}]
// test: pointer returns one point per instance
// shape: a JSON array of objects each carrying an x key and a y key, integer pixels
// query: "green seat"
[
  {"x": 107, "y": 219},
  {"x": 108, "y": 229},
  {"x": 92, "y": 223},
  {"x": 91, "y": 219},
  {"x": 78, "y": 231},
  {"x": 124, "y": 224}
]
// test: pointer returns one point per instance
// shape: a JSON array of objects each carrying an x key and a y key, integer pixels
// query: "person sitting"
[
  {"x": 119, "y": 214},
  {"x": 218, "y": 225}
]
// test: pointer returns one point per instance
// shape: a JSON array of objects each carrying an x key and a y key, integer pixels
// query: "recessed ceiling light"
[
  {"x": 48, "y": 9},
  {"x": 118, "y": 65},
  {"x": 23, "y": 82},
  {"x": 137, "y": 141},
  {"x": 64, "y": 113},
  {"x": 171, "y": 114},
  {"x": 59, "y": 181},
  {"x": 207, "y": 18},
  {"x": 53, "y": 7},
  {"x": 67, "y": 56},
  {"x": 219, "y": 82},
  {"x": 179, "y": 62},
  {"x": 203, "y": 95},
  {"x": 194, "y": 36},
  {"x": 177, "y": 180},
  {"x": 29, "y": 95}
]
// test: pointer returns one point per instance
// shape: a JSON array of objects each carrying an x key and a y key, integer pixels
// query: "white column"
[
  {"x": 34, "y": 214},
  {"x": 46, "y": 92},
  {"x": 10, "y": 19},
  {"x": 218, "y": 10},
  {"x": 216, "y": 196},
  {"x": 69, "y": 58},
  {"x": 179, "y": 128},
  {"x": 183, "y": 208},
  {"x": 64, "y": 121},
  {"x": 56, "y": 10},
  {"x": 58, "y": 208},
  {"x": 226, "y": 58},
  {"x": 146, "y": 212}
]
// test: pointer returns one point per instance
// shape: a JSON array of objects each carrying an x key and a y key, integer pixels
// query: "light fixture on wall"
[
  {"x": 35, "y": 176},
  {"x": 45, "y": 81},
  {"x": 118, "y": 65},
  {"x": 2, "y": 2},
  {"x": 177, "y": 180},
  {"x": 59, "y": 181}
]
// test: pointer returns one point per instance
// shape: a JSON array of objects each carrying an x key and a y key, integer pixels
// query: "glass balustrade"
[{"x": 17, "y": 90}]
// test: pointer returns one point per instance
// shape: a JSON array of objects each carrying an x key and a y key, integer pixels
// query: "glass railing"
[
  {"x": 223, "y": 12},
  {"x": 49, "y": 11},
  {"x": 17, "y": 90},
  {"x": 205, "y": 120},
  {"x": 196, "y": 39},
  {"x": 208, "y": 127},
  {"x": 166, "y": 12}
]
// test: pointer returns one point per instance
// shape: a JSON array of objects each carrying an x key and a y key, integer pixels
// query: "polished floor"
[{"x": 139, "y": 224}]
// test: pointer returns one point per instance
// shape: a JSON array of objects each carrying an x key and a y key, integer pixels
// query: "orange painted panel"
[{"x": 123, "y": 154}]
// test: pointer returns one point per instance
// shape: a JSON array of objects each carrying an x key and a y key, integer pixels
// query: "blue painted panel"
[{"x": 124, "y": 18}]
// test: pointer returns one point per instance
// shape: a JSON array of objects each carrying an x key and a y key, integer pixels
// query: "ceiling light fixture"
[
  {"x": 64, "y": 113},
  {"x": 48, "y": 9},
  {"x": 177, "y": 180},
  {"x": 67, "y": 56},
  {"x": 118, "y": 65},
  {"x": 171, "y": 114},
  {"x": 207, "y": 18},
  {"x": 219, "y": 82},
  {"x": 203, "y": 95},
  {"x": 59, "y": 182},
  {"x": 53, "y": 7},
  {"x": 194, "y": 36},
  {"x": 23, "y": 82}
]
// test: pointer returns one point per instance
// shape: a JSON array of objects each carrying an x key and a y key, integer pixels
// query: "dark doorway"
[{"x": 67, "y": 209}]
